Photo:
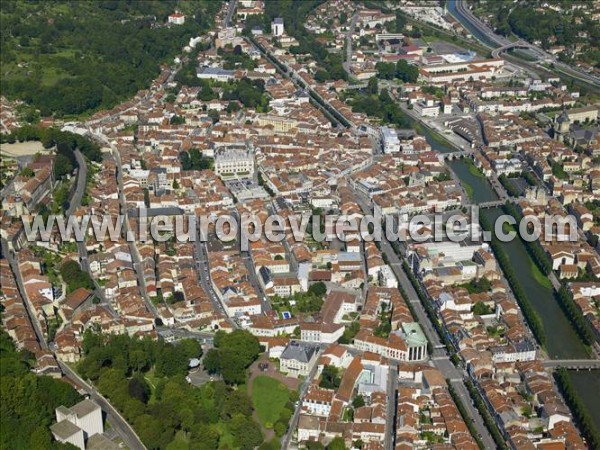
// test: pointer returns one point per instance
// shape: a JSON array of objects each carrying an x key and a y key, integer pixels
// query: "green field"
[
  {"x": 269, "y": 397},
  {"x": 73, "y": 58}
]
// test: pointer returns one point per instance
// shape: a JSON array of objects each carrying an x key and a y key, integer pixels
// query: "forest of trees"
[
  {"x": 75, "y": 277},
  {"x": 294, "y": 14},
  {"x": 382, "y": 106},
  {"x": 145, "y": 379},
  {"x": 232, "y": 355},
  {"x": 584, "y": 419},
  {"x": 92, "y": 54},
  {"x": 65, "y": 142},
  {"x": 195, "y": 160},
  {"x": 530, "y": 21},
  {"x": 27, "y": 401},
  {"x": 406, "y": 72}
]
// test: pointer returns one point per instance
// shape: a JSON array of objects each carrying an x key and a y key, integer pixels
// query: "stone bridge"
[
  {"x": 458, "y": 154},
  {"x": 576, "y": 364}
]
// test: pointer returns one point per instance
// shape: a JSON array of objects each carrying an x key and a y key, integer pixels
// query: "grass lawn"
[
  {"x": 269, "y": 397},
  {"x": 152, "y": 381},
  {"x": 473, "y": 170},
  {"x": 539, "y": 276}
]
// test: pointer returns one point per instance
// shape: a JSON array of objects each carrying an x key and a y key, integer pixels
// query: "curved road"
[
  {"x": 466, "y": 17},
  {"x": 131, "y": 440}
]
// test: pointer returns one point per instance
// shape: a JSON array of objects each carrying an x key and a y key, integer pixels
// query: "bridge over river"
[{"x": 574, "y": 364}]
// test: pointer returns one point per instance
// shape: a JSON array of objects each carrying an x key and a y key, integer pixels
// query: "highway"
[{"x": 464, "y": 15}]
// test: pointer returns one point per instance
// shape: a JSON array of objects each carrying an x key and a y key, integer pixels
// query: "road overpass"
[
  {"x": 519, "y": 44},
  {"x": 496, "y": 42}
]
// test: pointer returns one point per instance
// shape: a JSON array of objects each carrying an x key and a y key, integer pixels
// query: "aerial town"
[{"x": 327, "y": 110}]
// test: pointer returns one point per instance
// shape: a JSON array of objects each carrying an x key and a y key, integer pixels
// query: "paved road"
[
  {"x": 287, "y": 437},
  {"x": 591, "y": 364},
  {"x": 201, "y": 256},
  {"x": 14, "y": 265},
  {"x": 113, "y": 416},
  {"x": 137, "y": 265},
  {"x": 117, "y": 421},
  {"x": 466, "y": 16},
  {"x": 230, "y": 11},
  {"x": 81, "y": 247},
  {"x": 392, "y": 400},
  {"x": 348, "y": 60},
  {"x": 300, "y": 83},
  {"x": 80, "y": 188},
  {"x": 440, "y": 359}
]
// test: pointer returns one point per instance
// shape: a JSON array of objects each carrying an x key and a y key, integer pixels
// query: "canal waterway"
[
  {"x": 587, "y": 384},
  {"x": 562, "y": 341},
  {"x": 475, "y": 183}
]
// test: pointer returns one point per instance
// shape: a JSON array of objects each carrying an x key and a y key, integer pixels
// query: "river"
[
  {"x": 451, "y": 6},
  {"x": 586, "y": 381},
  {"x": 475, "y": 183},
  {"x": 562, "y": 341}
]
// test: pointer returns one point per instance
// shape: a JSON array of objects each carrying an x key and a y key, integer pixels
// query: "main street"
[
  {"x": 392, "y": 401},
  {"x": 287, "y": 437},
  {"x": 299, "y": 82},
  {"x": 201, "y": 255},
  {"x": 14, "y": 265},
  {"x": 348, "y": 60},
  {"x": 230, "y": 11},
  {"x": 440, "y": 358}
]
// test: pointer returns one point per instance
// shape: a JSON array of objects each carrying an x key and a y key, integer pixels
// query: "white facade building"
[
  {"x": 277, "y": 27},
  {"x": 234, "y": 162},
  {"x": 176, "y": 18},
  {"x": 298, "y": 359},
  {"x": 78, "y": 423},
  {"x": 389, "y": 139}
]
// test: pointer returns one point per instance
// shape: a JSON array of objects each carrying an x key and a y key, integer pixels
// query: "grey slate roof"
[{"x": 299, "y": 352}]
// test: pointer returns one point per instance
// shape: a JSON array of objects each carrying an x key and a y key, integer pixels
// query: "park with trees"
[
  {"x": 27, "y": 401},
  {"x": 145, "y": 380}
]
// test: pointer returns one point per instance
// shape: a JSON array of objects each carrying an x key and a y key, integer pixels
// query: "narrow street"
[{"x": 113, "y": 417}]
